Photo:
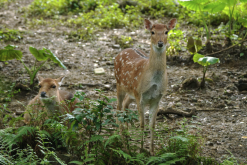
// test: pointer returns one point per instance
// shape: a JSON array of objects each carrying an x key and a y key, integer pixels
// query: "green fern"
[
  {"x": 165, "y": 159},
  {"x": 127, "y": 157},
  {"x": 112, "y": 139}
]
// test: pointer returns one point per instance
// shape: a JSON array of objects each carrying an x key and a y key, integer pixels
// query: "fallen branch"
[{"x": 225, "y": 49}]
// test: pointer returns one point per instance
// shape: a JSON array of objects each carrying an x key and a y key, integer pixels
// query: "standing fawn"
[
  {"x": 144, "y": 79},
  {"x": 49, "y": 101}
]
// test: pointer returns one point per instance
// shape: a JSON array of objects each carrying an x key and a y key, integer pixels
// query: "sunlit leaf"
[
  {"x": 241, "y": 54},
  {"x": 193, "y": 4},
  {"x": 9, "y": 53},
  {"x": 53, "y": 58},
  {"x": 214, "y": 7},
  {"x": 38, "y": 54},
  {"x": 197, "y": 56},
  {"x": 205, "y": 61},
  {"x": 243, "y": 21},
  {"x": 230, "y": 3}
]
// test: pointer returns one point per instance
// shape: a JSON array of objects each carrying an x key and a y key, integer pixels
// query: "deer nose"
[
  {"x": 160, "y": 44},
  {"x": 43, "y": 94}
]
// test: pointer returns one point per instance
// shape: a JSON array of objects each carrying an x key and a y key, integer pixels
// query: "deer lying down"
[
  {"x": 49, "y": 101},
  {"x": 144, "y": 79}
]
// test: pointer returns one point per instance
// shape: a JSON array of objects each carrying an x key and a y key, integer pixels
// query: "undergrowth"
[
  {"x": 10, "y": 35},
  {"x": 90, "y": 135}
]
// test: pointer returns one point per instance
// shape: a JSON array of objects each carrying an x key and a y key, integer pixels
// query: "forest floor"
[{"x": 220, "y": 108}]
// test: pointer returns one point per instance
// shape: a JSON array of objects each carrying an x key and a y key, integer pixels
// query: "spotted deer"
[
  {"x": 144, "y": 78},
  {"x": 50, "y": 100}
]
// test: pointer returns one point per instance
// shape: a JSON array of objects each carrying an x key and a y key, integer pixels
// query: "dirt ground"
[{"x": 220, "y": 108}]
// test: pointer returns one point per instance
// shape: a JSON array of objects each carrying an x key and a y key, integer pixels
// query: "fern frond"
[
  {"x": 111, "y": 139},
  {"x": 95, "y": 138}
]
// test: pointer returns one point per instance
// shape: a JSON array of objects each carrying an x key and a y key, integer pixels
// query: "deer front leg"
[{"x": 154, "y": 107}]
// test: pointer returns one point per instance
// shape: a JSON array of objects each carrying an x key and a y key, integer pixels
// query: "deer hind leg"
[
  {"x": 120, "y": 97},
  {"x": 141, "y": 107},
  {"x": 126, "y": 102},
  {"x": 154, "y": 107}
]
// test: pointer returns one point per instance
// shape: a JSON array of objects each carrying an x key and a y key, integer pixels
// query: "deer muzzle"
[
  {"x": 43, "y": 94},
  {"x": 160, "y": 44}
]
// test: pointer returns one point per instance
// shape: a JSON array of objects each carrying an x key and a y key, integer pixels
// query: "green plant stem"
[
  {"x": 27, "y": 69},
  {"x": 34, "y": 73},
  {"x": 204, "y": 22},
  {"x": 230, "y": 19},
  {"x": 34, "y": 67},
  {"x": 203, "y": 78}
]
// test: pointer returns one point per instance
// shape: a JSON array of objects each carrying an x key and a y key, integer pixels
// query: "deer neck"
[{"x": 157, "y": 60}]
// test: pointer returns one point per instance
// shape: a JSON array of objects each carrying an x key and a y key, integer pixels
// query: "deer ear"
[
  {"x": 40, "y": 78},
  {"x": 60, "y": 80},
  {"x": 147, "y": 24},
  {"x": 172, "y": 23}
]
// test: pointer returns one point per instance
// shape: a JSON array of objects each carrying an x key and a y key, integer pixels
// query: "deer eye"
[
  {"x": 54, "y": 86},
  {"x": 39, "y": 86},
  {"x": 152, "y": 32},
  {"x": 166, "y": 32}
]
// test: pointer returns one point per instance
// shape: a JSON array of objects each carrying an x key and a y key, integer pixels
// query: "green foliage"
[
  {"x": 8, "y": 53},
  {"x": 90, "y": 138},
  {"x": 200, "y": 6},
  {"x": 103, "y": 16},
  {"x": 194, "y": 45},
  {"x": 175, "y": 37},
  {"x": 9, "y": 35},
  {"x": 205, "y": 62},
  {"x": 10, "y": 154},
  {"x": 7, "y": 92},
  {"x": 53, "y": 7},
  {"x": 123, "y": 41},
  {"x": 82, "y": 34}
]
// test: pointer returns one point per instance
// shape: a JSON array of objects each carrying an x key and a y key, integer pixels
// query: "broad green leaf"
[
  {"x": 10, "y": 47},
  {"x": 38, "y": 54},
  {"x": 214, "y": 7},
  {"x": 241, "y": 54},
  {"x": 121, "y": 119},
  {"x": 193, "y": 4},
  {"x": 243, "y": 21},
  {"x": 197, "y": 56},
  {"x": 205, "y": 61},
  {"x": 53, "y": 57},
  {"x": 230, "y": 3},
  {"x": 9, "y": 53},
  {"x": 243, "y": 1}
]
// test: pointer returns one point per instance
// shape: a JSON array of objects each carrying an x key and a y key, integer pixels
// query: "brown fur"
[
  {"x": 144, "y": 79},
  {"x": 56, "y": 101}
]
